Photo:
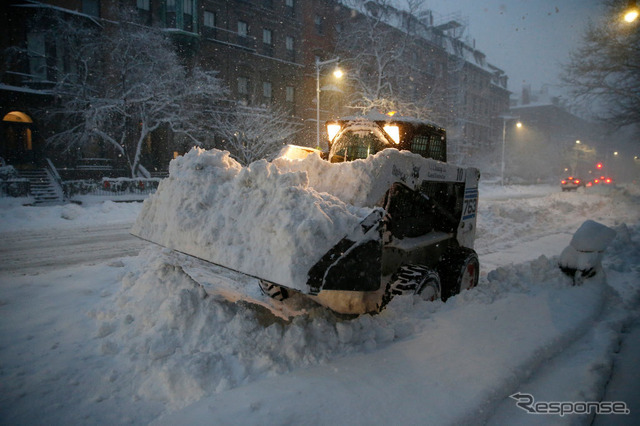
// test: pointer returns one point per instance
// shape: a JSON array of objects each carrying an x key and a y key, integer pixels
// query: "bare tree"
[
  {"x": 604, "y": 72},
  {"x": 383, "y": 37},
  {"x": 129, "y": 82},
  {"x": 251, "y": 134}
]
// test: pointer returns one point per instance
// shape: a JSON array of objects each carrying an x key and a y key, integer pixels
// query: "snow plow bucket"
[
  {"x": 314, "y": 226},
  {"x": 263, "y": 223}
]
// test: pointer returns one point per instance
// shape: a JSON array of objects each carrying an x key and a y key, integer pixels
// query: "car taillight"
[
  {"x": 589, "y": 185},
  {"x": 596, "y": 181},
  {"x": 563, "y": 182},
  {"x": 577, "y": 181},
  {"x": 607, "y": 180}
]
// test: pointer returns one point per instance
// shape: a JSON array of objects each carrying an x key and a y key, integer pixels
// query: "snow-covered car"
[{"x": 571, "y": 183}]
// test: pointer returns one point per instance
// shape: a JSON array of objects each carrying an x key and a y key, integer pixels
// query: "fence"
[{"x": 111, "y": 186}]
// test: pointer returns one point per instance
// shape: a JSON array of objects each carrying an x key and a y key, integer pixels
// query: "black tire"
[
  {"x": 459, "y": 269},
  {"x": 415, "y": 279},
  {"x": 273, "y": 290}
]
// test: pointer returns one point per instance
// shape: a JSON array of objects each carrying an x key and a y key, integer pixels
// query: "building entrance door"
[{"x": 17, "y": 147}]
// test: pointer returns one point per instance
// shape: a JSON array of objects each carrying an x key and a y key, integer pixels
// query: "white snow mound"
[
  {"x": 272, "y": 220},
  {"x": 259, "y": 220}
]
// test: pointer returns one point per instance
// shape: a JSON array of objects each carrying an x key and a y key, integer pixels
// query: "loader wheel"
[
  {"x": 459, "y": 270},
  {"x": 273, "y": 290},
  {"x": 415, "y": 279}
]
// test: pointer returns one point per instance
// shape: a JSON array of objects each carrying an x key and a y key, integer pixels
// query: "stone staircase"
[{"x": 44, "y": 189}]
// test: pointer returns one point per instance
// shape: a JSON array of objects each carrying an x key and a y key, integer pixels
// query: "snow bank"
[
  {"x": 180, "y": 344},
  {"x": 462, "y": 357},
  {"x": 270, "y": 220}
]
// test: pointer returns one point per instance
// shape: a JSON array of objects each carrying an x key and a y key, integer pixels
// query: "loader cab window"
[
  {"x": 357, "y": 144},
  {"x": 429, "y": 146}
]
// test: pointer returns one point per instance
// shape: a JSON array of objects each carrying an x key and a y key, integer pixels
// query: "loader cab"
[{"x": 358, "y": 137}]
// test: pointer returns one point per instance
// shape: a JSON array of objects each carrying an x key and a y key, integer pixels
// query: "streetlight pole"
[
  {"x": 504, "y": 142},
  {"x": 320, "y": 64}
]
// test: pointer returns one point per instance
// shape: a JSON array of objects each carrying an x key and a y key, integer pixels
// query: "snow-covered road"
[
  {"x": 46, "y": 249},
  {"x": 131, "y": 340}
]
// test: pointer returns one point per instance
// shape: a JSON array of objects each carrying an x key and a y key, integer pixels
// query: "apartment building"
[{"x": 265, "y": 51}]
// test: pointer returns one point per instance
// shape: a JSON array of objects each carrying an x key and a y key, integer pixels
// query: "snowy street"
[
  {"x": 97, "y": 327},
  {"x": 46, "y": 249}
]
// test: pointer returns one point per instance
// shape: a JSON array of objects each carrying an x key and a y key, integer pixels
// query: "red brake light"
[
  {"x": 563, "y": 181},
  {"x": 608, "y": 180},
  {"x": 597, "y": 181},
  {"x": 577, "y": 181},
  {"x": 589, "y": 184},
  {"x": 570, "y": 178}
]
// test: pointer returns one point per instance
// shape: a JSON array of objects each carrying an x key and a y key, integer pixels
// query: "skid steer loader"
[{"x": 414, "y": 233}]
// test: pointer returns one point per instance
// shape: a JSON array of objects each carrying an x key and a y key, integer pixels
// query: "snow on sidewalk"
[{"x": 470, "y": 355}]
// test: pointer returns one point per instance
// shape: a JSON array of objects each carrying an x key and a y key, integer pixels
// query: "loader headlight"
[
  {"x": 332, "y": 130},
  {"x": 393, "y": 131}
]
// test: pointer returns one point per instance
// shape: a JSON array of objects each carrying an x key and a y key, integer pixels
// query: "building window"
[
  {"x": 317, "y": 20},
  {"x": 266, "y": 90},
  {"x": 171, "y": 5},
  {"x": 37, "y": 55},
  {"x": 142, "y": 4},
  {"x": 243, "y": 86},
  {"x": 267, "y": 36},
  {"x": 289, "y": 7},
  {"x": 243, "y": 29},
  {"x": 290, "y": 94},
  {"x": 291, "y": 54},
  {"x": 209, "y": 19},
  {"x": 188, "y": 7}
]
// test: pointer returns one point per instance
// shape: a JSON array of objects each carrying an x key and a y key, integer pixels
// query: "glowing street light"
[
  {"x": 337, "y": 73},
  {"x": 631, "y": 13},
  {"x": 504, "y": 140}
]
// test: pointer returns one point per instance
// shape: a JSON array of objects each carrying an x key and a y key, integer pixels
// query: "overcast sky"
[{"x": 528, "y": 39}]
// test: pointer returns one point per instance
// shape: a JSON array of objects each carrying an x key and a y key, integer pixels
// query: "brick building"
[{"x": 265, "y": 51}]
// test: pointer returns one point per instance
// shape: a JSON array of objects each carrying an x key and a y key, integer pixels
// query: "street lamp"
[
  {"x": 336, "y": 73},
  {"x": 504, "y": 140},
  {"x": 632, "y": 12}
]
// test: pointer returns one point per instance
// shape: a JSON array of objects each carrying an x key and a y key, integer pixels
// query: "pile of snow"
[
  {"x": 255, "y": 219},
  {"x": 270, "y": 220},
  {"x": 583, "y": 256},
  {"x": 363, "y": 183},
  {"x": 180, "y": 344}
]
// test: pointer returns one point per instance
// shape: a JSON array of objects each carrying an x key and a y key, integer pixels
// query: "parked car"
[
  {"x": 571, "y": 183},
  {"x": 602, "y": 180}
]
